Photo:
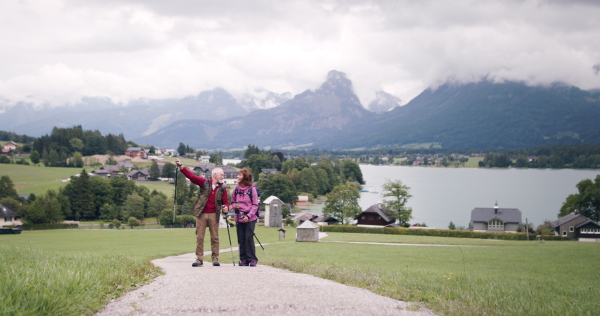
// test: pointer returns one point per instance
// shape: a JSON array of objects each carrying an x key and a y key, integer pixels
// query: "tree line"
[
  {"x": 8, "y": 136},
  {"x": 86, "y": 198},
  {"x": 576, "y": 157},
  {"x": 65, "y": 147}
]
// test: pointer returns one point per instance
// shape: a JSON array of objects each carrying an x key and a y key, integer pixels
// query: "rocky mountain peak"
[
  {"x": 337, "y": 84},
  {"x": 384, "y": 102}
]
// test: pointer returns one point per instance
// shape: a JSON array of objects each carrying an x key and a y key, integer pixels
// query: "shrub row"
[
  {"x": 435, "y": 232},
  {"x": 48, "y": 226}
]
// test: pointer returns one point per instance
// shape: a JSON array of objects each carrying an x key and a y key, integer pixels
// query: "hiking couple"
[{"x": 212, "y": 200}]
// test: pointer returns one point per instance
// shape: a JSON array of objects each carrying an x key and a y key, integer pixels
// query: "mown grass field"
[
  {"x": 37, "y": 179},
  {"x": 479, "y": 277}
]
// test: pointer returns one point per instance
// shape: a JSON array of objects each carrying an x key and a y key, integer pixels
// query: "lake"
[{"x": 441, "y": 195}]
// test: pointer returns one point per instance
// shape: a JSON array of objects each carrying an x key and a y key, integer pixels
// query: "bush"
[
  {"x": 434, "y": 232},
  {"x": 115, "y": 223},
  {"x": 133, "y": 222}
]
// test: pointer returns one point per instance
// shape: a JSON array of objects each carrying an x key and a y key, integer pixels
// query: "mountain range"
[{"x": 474, "y": 115}]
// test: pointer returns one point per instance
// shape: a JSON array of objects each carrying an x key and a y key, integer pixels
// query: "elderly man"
[{"x": 212, "y": 200}]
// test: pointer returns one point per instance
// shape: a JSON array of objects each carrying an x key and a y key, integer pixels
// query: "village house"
[
  {"x": 495, "y": 219},
  {"x": 577, "y": 227},
  {"x": 8, "y": 217},
  {"x": 374, "y": 216},
  {"x": 134, "y": 152},
  {"x": 125, "y": 164},
  {"x": 203, "y": 170},
  {"x": 204, "y": 159},
  {"x": 302, "y": 201},
  {"x": 138, "y": 175},
  {"x": 229, "y": 173},
  {"x": 108, "y": 171},
  {"x": 11, "y": 145}
]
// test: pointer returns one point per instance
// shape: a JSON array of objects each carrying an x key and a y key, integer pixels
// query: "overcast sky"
[{"x": 59, "y": 51}]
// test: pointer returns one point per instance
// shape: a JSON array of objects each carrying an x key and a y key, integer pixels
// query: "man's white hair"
[{"x": 217, "y": 170}]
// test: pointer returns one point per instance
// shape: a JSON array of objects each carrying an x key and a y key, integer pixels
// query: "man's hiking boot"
[
  {"x": 253, "y": 263},
  {"x": 243, "y": 263},
  {"x": 198, "y": 263},
  {"x": 216, "y": 262}
]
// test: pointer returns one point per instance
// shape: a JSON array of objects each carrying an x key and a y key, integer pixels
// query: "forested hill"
[{"x": 482, "y": 115}]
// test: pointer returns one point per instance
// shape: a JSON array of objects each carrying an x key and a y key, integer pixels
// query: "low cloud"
[{"x": 57, "y": 52}]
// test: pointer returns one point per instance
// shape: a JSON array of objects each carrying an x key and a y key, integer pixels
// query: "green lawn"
[
  {"x": 481, "y": 277},
  {"x": 467, "y": 277}
]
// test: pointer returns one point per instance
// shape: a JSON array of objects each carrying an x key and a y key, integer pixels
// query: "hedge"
[
  {"x": 48, "y": 226},
  {"x": 435, "y": 232}
]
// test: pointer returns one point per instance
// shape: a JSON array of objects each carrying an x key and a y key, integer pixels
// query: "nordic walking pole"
[
  {"x": 261, "y": 246},
  {"x": 175, "y": 197},
  {"x": 230, "y": 245}
]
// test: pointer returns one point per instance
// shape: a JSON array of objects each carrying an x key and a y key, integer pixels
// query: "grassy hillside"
[{"x": 39, "y": 179}]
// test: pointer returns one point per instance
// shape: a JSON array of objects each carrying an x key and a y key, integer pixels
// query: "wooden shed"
[{"x": 308, "y": 231}]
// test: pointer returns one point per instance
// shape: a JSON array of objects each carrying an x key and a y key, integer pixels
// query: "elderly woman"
[{"x": 245, "y": 200}]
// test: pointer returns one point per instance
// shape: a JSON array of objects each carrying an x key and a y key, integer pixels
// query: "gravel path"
[{"x": 261, "y": 290}]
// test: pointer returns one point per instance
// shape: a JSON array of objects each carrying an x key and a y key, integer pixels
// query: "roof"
[
  {"x": 143, "y": 171},
  {"x": 307, "y": 225},
  {"x": 125, "y": 164},
  {"x": 204, "y": 167},
  {"x": 135, "y": 149},
  {"x": 376, "y": 209},
  {"x": 589, "y": 221},
  {"x": 567, "y": 218},
  {"x": 271, "y": 199},
  {"x": 306, "y": 217},
  {"x": 302, "y": 198},
  {"x": 486, "y": 214},
  {"x": 6, "y": 211}
]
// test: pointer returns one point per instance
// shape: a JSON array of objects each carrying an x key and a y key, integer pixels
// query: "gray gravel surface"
[{"x": 261, "y": 290}]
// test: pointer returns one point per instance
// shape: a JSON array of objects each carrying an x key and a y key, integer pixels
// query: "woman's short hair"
[{"x": 246, "y": 177}]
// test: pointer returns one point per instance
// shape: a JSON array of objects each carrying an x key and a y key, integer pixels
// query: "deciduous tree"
[
  {"x": 399, "y": 194},
  {"x": 342, "y": 203},
  {"x": 586, "y": 202},
  {"x": 7, "y": 188},
  {"x": 278, "y": 185},
  {"x": 134, "y": 206}
]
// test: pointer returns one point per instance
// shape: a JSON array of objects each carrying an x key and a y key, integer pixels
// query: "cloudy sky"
[{"x": 58, "y": 51}]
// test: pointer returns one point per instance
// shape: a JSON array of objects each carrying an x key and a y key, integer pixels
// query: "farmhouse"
[
  {"x": 374, "y": 216},
  {"x": 138, "y": 175},
  {"x": 8, "y": 217},
  {"x": 134, "y": 152},
  {"x": 11, "y": 145},
  {"x": 487, "y": 219},
  {"x": 577, "y": 227}
]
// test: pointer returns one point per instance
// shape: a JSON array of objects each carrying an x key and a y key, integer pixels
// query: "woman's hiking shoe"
[
  {"x": 243, "y": 263},
  {"x": 216, "y": 262},
  {"x": 253, "y": 263},
  {"x": 198, "y": 263}
]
